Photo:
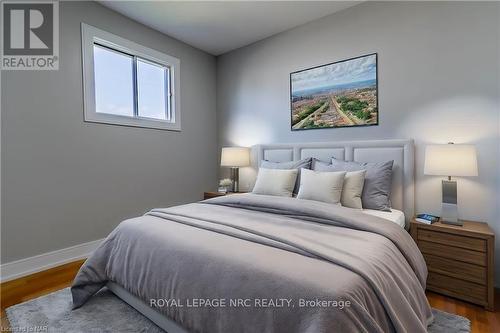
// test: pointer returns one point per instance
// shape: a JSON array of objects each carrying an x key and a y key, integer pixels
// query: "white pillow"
[
  {"x": 353, "y": 188},
  {"x": 277, "y": 182},
  {"x": 321, "y": 186}
]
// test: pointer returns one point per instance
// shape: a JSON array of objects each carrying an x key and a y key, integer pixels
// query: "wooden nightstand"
[
  {"x": 459, "y": 259},
  {"x": 209, "y": 195}
]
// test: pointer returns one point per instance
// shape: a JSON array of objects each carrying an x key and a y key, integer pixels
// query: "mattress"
[{"x": 394, "y": 215}]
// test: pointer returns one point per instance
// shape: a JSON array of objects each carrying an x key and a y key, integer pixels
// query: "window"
[
  {"x": 128, "y": 84},
  {"x": 113, "y": 82},
  {"x": 153, "y": 90}
]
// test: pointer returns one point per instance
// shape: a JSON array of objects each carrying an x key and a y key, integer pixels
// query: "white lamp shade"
[
  {"x": 235, "y": 157},
  {"x": 450, "y": 160}
]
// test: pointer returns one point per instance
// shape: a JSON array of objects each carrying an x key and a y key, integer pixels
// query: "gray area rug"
[{"x": 107, "y": 313}]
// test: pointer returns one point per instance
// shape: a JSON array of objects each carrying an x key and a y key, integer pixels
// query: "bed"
[{"x": 256, "y": 263}]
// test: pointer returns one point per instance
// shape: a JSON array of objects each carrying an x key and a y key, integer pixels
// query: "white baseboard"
[{"x": 19, "y": 268}]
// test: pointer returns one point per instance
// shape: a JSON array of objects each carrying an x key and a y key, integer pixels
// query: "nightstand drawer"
[
  {"x": 457, "y": 269},
  {"x": 469, "y": 291},
  {"x": 471, "y": 243},
  {"x": 454, "y": 253}
]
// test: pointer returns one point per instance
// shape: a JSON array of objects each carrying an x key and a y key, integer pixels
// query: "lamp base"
[
  {"x": 458, "y": 223},
  {"x": 235, "y": 178},
  {"x": 449, "y": 210},
  {"x": 449, "y": 214}
]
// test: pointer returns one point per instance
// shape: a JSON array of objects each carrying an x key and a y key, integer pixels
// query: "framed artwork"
[{"x": 340, "y": 94}]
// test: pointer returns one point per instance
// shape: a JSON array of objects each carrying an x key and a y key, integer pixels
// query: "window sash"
[
  {"x": 166, "y": 82},
  {"x": 166, "y": 87},
  {"x": 171, "y": 68}
]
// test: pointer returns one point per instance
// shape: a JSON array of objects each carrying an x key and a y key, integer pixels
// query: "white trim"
[
  {"x": 92, "y": 34},
  {"x": 19, "y": 268}
]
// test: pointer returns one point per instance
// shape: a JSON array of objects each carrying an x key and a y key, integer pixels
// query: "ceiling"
[{"x": 221, "y": 26}]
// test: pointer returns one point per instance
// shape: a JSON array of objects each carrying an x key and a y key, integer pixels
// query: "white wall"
[
  {"x": 66, "y": 182},
  {"x": 438, "y": 82}
]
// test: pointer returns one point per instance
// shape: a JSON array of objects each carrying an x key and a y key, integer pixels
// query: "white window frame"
[{"x": 91, "y": 35}]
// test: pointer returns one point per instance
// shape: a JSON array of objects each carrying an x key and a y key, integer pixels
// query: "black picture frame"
[{"x": 376, "y": 94}]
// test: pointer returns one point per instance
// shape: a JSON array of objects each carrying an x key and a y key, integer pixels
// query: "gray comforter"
[{"x": 292, "y": 265}]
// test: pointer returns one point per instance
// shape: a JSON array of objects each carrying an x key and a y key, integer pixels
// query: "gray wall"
[
  {"x": 64, "y": 181},
  {"x": 438, "y": 82}
]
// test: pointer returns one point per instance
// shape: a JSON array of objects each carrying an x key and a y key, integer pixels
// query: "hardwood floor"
[
  {"x": 38, "y": 284},
  {"x": 35, "y": 285},
  {"x": 481, "y": 320},
  {"x": 42, "y": 283}
]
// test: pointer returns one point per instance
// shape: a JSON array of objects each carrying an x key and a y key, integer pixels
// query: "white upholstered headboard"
[{"x": 401, "y": 151}]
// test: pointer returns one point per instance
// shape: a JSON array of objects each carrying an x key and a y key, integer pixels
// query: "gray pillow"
[
  {"x": 304, "y": 163},
  {"x": 378, "y": 181}
]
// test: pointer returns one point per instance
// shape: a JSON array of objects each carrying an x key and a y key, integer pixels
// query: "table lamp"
[
  {"x": 450, "y": 160},
  {"x": 235, "y": 157}
]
